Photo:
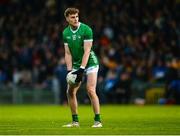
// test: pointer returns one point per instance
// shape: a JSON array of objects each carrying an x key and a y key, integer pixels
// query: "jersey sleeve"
[
  {"x": 88, "y": 36},
  {"x": 64, "y": 39}
]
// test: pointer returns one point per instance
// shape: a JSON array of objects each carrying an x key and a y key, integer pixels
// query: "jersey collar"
[{"x": 74, "y": 31}]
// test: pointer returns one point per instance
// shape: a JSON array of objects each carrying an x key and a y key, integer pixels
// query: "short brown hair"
[{"x": 70, "y": 11}]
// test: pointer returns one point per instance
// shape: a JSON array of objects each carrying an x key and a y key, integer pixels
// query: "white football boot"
[
  {"x": 72, "y": 124},
  {"x": 97, "y": 124}
]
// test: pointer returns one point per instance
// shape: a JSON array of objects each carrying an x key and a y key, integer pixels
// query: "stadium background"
[{"x": 137, "y": 43}]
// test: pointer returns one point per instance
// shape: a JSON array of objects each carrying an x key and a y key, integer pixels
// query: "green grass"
[{"x": 117, "y": 119}]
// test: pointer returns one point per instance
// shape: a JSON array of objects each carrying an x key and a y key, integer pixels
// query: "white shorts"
[{"x": 93, "y": 69}]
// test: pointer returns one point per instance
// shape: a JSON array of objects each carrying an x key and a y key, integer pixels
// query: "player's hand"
[{"x": 79, "y": 74}]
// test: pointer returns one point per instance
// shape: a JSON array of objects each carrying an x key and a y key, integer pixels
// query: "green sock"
[
  {"x": 97, "y": 117},
  {"x": 75, "y": 118}
]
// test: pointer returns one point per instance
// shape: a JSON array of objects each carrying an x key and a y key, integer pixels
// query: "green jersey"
[{"x": 75, "y": 39}]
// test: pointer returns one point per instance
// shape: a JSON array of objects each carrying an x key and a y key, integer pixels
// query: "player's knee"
[
  {"x": 91, "y": 92},
  {"x": 90, "y": 88}
]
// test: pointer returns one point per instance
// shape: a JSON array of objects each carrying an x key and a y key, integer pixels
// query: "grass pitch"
[{"x": 117, "y": 120}]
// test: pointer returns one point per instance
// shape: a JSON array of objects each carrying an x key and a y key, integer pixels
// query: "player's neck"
[{"x": 75, "y": 28}]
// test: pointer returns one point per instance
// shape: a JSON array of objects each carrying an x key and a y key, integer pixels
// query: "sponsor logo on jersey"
[{"x": 68, "y": 37}]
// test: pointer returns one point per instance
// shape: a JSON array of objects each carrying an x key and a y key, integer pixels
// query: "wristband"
[{"x": 82, "y": 67}]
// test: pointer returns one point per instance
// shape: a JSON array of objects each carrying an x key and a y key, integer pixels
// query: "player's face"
[{"x": 73, "y": 20}]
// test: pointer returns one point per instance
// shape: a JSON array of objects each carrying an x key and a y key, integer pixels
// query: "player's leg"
[
  {"x": 72, "y": 100},
  {"x": 91, "y": 89}
]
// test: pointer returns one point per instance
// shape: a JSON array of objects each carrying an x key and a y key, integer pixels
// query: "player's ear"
[{"x": 67, "y": 19}]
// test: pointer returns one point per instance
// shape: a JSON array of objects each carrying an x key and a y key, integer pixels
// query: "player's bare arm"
[
  {"x": 68, "y": 58},
  {"x": 87, "y": 49}
]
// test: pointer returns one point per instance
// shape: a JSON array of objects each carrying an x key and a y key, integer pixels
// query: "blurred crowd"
[{"x": 137, "y": 43}]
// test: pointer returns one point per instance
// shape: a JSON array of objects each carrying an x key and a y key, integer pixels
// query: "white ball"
[{"x": 70, "y": 78}]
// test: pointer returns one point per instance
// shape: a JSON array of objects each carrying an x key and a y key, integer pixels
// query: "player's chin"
[{"x": 76, "y": 24}]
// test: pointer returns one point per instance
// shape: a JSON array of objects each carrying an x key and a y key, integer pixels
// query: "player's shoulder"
[
  {"x": 85, "y": 26},
  {"x": 66, "y": 30}
]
